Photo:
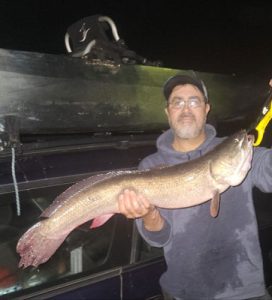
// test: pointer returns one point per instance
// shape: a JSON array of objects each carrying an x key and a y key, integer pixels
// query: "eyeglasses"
[{"x": 179, "y": 103}]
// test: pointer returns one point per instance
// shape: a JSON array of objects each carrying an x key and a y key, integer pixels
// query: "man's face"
[{"x": 187, "y": 111}]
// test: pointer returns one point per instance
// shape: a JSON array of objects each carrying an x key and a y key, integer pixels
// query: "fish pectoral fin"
[
  {"x": 215, "y": 203},
  {"x": 99, "y": 221}
]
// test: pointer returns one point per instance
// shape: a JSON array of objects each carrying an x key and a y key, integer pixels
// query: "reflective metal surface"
[{"x": 60, "y": 94}]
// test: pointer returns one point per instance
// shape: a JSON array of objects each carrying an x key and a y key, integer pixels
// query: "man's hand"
[
  {"x": 134, "y": 206},
  {"x": 137, "y": 206}
]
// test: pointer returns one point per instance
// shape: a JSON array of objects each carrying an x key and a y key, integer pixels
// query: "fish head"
[{"x": 233, "y": 160}]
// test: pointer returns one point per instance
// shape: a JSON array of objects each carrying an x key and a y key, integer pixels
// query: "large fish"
[{"x": 177, "y": 186}]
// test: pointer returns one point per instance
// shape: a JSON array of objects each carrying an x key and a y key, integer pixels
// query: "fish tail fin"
[{"x": 35, "y": 247}]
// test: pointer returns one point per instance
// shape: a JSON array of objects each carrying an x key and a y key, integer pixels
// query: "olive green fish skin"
[{"x": 177, "y": 186}]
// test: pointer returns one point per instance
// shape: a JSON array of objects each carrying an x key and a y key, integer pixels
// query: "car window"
[
  {"x": 83, "y": 251},
  {"x": 143, "y": 251},
  {"x": 147, "y": 252}
]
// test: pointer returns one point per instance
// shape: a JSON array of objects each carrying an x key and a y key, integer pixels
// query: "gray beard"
[{"x": 188, "y": 133}]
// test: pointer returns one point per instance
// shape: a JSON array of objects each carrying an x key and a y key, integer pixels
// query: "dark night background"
[
  {"x": 221, "y": 36},
  {"x": 227, "y": 36}
]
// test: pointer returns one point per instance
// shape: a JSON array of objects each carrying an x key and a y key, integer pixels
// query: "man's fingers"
[
  {"x": 145, "y": 203},
  {"x": 132, "y": 205},
  {"x": 128, "y": 205}
]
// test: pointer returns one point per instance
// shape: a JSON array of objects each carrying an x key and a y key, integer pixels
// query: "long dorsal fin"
[{"x": 77, "y": 188}]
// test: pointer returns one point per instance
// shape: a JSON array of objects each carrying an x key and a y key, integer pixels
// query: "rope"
[{"x": 15, "y": 182}]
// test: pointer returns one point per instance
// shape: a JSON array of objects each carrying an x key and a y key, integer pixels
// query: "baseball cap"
[{"x": 181, "y": 80}]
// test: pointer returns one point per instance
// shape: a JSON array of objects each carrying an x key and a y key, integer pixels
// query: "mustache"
[{"x": 186, "y": 115}]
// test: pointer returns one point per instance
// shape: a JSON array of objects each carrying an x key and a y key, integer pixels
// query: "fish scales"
[{"x": 176, "y": 186}]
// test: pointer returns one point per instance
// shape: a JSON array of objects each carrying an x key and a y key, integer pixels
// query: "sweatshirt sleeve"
[
  {"x": 262, "y": 169},
  {"x": 155, "y": 238}
]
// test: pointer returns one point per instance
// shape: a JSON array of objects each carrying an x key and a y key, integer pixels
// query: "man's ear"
[
  {"x": 166, "y": 112},
  {"x": 208, "y": 107}
]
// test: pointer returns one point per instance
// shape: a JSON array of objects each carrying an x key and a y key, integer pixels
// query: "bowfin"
[
  {"x": 99, "y": 221},
  {"x": 215, "y": 204}
]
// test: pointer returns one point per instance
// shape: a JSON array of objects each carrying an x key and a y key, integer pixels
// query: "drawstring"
[{"x": 190, "y": 158}]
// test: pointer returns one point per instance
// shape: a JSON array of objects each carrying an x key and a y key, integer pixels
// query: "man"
[{"x": 206, "y": 258}]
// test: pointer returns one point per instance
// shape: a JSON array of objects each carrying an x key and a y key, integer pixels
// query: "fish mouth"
[
  {"x": 250, "y": 139},
  {"x": 246, "y": 141},
  {"x": 247, "y": 149},
  {"x": 243, "y": 165}
]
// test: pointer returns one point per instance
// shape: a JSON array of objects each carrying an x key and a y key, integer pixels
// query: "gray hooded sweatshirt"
[{"x": 211, "y": 258}]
